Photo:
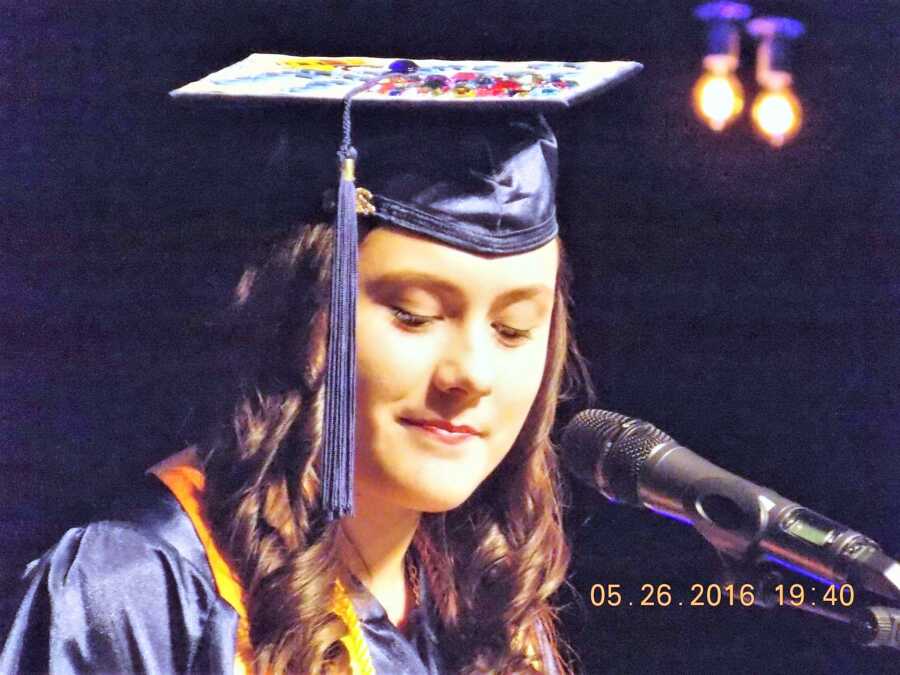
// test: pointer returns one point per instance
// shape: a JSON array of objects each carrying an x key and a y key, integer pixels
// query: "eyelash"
[
  {"x": 513, "y": 335},
  {"x": 508, "y": 334},
  {"x": 409, "y": 319}
]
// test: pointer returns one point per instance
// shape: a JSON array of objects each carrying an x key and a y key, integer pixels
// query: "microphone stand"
[{"x": 871, "y": 626}]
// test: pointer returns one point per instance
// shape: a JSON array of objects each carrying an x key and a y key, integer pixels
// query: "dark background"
[{"x": 743, "y": 299}]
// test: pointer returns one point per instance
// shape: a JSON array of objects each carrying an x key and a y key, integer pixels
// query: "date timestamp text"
[{"x": 721, "y": 595}]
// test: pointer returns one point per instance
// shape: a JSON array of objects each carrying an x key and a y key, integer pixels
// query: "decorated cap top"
[{"x": 525, "y": 85}]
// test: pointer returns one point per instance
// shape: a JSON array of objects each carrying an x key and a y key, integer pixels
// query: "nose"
[{"x": 466, "y": 368}]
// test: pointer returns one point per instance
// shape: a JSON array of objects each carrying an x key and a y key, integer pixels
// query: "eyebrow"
[{"x": 444, "y": 287}]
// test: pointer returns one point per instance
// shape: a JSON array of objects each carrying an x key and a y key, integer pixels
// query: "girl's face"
[{"x": 451, "y": 352}]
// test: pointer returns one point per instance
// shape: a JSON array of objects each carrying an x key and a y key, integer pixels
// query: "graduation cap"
[{"x": 453, "y": 150}]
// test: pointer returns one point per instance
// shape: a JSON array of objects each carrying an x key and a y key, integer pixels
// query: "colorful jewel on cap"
[{"x": 404, "y": 66}]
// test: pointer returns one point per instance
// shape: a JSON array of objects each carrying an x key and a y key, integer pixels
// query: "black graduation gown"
[{"x": 136, "y": 594}]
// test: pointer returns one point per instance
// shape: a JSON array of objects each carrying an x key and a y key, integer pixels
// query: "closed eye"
[
  {"x": 512, "y": 335},
  {"x": 409, "y": 319}
]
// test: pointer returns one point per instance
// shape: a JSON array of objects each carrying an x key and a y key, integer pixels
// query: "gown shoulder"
[{"x": 129, "y": 594}]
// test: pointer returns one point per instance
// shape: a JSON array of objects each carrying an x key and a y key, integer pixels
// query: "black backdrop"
[{"x": 743, "y": 299}]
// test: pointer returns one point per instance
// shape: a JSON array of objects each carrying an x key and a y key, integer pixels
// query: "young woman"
[{"x": 449, "y": 561}]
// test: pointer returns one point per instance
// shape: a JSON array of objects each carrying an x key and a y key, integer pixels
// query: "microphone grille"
[{"x": 624, "y": 444}]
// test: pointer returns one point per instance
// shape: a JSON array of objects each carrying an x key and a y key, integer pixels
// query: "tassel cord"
[{"x": 339, "y": 432}]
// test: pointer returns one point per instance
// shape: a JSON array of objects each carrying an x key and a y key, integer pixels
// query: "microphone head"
[{"x": 607, "y": 450}]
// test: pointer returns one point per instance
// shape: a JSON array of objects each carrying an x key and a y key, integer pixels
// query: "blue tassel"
[
  {"x": 340, "y": 377},
  {"x": 339, "y": 432}
]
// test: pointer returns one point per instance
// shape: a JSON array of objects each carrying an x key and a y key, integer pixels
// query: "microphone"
[{"x": 633, "y": 462}]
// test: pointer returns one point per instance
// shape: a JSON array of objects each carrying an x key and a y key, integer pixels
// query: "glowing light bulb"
[
  {"x": 718, "y": 99},
  {"x": 777, "y": 116},
  {"x": 718, "y": 95},
  {"x": 776, "y": 112}
]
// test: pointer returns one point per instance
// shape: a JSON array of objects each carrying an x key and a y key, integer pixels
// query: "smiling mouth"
[{"x": 441, "y": 430}]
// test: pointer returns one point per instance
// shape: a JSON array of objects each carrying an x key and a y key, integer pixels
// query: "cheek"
[
  {"x": 390, "y": 365},
  {"x": 516, "y": 391}
]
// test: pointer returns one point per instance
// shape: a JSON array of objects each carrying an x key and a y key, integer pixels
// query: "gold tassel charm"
[{"x": 364, "y": 205}]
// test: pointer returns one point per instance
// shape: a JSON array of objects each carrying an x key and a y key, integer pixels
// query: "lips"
[{"x": 442, "y": 429}]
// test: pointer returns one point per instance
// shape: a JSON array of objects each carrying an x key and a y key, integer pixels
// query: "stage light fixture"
[
  {"x": 718, "y": 95},
  {"x": 777, "y": 114}
]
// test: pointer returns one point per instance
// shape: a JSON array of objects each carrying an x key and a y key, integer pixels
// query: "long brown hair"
[{"x": 493, "y": 563}]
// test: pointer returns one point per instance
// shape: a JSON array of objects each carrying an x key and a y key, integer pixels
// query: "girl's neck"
[{"x": 373, "y": 544}]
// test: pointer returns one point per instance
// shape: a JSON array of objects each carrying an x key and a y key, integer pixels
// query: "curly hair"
[{"x": 493, "y": 563}]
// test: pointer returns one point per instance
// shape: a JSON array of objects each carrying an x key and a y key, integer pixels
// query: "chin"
[
  {"x": 426, "y": 477},
  {"x": 443, "y": 493},
  {"x": 435, "y": 493},
  {"x": 442, "y": 503}
]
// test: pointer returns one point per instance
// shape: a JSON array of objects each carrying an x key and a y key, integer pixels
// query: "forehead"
[{"x": 389, "y": 252}]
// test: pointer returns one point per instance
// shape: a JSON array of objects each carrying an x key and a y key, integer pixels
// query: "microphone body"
[{"x": 632, "y": 461}]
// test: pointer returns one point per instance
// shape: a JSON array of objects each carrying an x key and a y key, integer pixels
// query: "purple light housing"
[
  {"x": 774, "y": 34},
  {"x": 776, "y": 26},
  {"x": 723, "y": 11},
  {"x": 723, "y": 38}
]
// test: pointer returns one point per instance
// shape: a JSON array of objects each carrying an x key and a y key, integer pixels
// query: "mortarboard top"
[
  {"x": 454, "y": 150},
  {"x": 523, "y": 85}
]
